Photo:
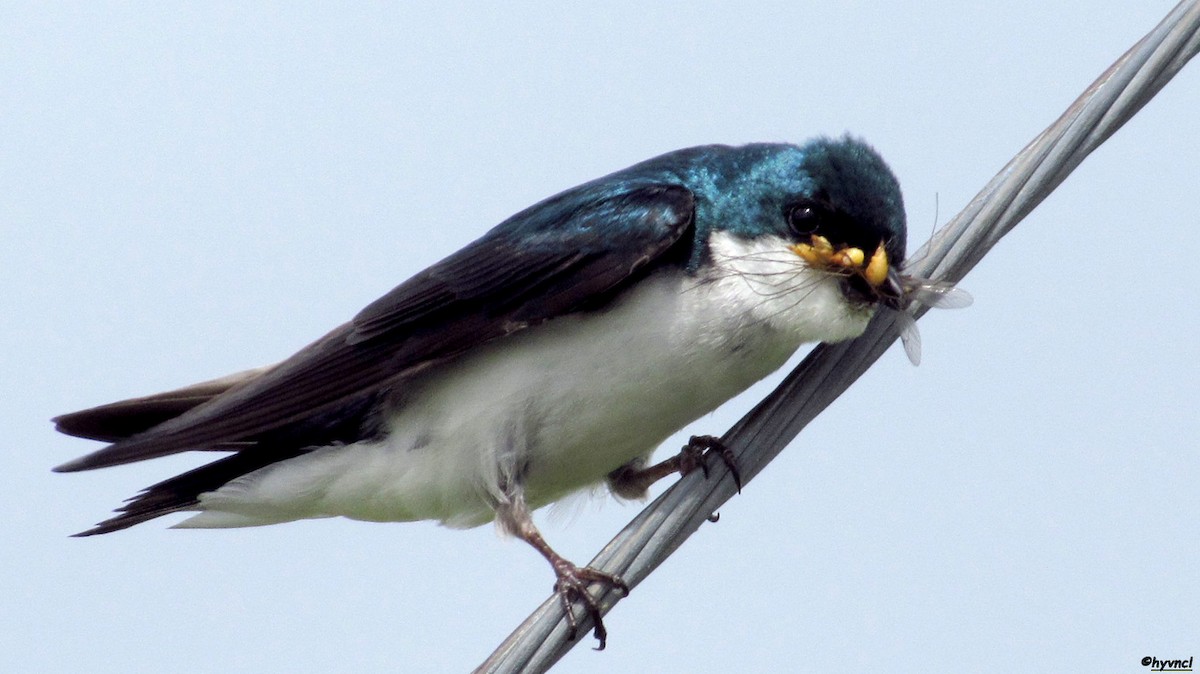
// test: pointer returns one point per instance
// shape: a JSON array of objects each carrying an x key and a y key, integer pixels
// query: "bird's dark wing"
[
  {"x": 126, "y": 418},
  {"x": 569, "y": 253}
]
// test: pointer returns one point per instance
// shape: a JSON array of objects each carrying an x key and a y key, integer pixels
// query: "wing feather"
[{"x": 570, "y": 253}]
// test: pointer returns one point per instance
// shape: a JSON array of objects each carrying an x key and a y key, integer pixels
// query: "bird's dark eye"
[{"x": 804, "y": 217}]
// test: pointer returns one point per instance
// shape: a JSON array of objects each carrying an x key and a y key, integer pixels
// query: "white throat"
[{"x": 767, "y": 282}]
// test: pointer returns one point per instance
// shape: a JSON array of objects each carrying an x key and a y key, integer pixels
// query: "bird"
[{"x": 551, "y": 355}]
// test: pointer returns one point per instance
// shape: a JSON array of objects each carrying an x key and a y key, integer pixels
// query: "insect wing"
[
  {"x": 910, "y": 336},
  {"x": 938, "y": 294}
]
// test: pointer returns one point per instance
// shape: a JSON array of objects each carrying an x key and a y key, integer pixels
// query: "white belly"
[{"x": 555, "y": 408}]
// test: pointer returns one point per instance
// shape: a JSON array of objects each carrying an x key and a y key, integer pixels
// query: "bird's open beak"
[{"x": 881, "y": 281}]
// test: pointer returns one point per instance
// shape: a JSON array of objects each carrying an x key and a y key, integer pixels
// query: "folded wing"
[{"x": 573, "y": 252}]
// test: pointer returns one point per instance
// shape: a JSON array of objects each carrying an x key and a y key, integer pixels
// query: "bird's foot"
[
  {"x": 571, "y": 582},
  {"x": 696, "y": 452},
  {"x": 632, "y": 480},
  {"x": 572, "y": 585}
]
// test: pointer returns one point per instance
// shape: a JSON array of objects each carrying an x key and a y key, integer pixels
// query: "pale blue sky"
[{"x": 193, "y": 190}]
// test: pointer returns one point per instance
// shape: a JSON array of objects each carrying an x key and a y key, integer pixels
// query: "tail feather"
[
  {"x": 126, "y": 418},
  {"x": 182, "y": 492},
  {"x": 354, "y": 421}
]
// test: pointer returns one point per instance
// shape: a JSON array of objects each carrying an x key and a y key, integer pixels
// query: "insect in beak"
[{"x": 882, "y": 282}]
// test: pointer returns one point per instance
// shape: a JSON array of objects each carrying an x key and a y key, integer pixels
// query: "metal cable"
[{"x": 830, "y": 369}]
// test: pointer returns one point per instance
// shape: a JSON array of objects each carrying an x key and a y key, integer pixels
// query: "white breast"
[{"x": 558, "y": 406}]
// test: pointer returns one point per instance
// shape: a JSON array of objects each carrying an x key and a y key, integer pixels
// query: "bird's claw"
[
  {"x": 695, "y": 455},
  {"x": 572, "y": 585}
]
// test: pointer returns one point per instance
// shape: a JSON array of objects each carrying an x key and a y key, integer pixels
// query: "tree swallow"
[{"x": 552, "y": 354}]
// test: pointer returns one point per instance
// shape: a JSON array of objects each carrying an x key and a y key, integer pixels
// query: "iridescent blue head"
[
  {"x": 829, "y": 192},
  {"x": 853, "y": 195}
]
